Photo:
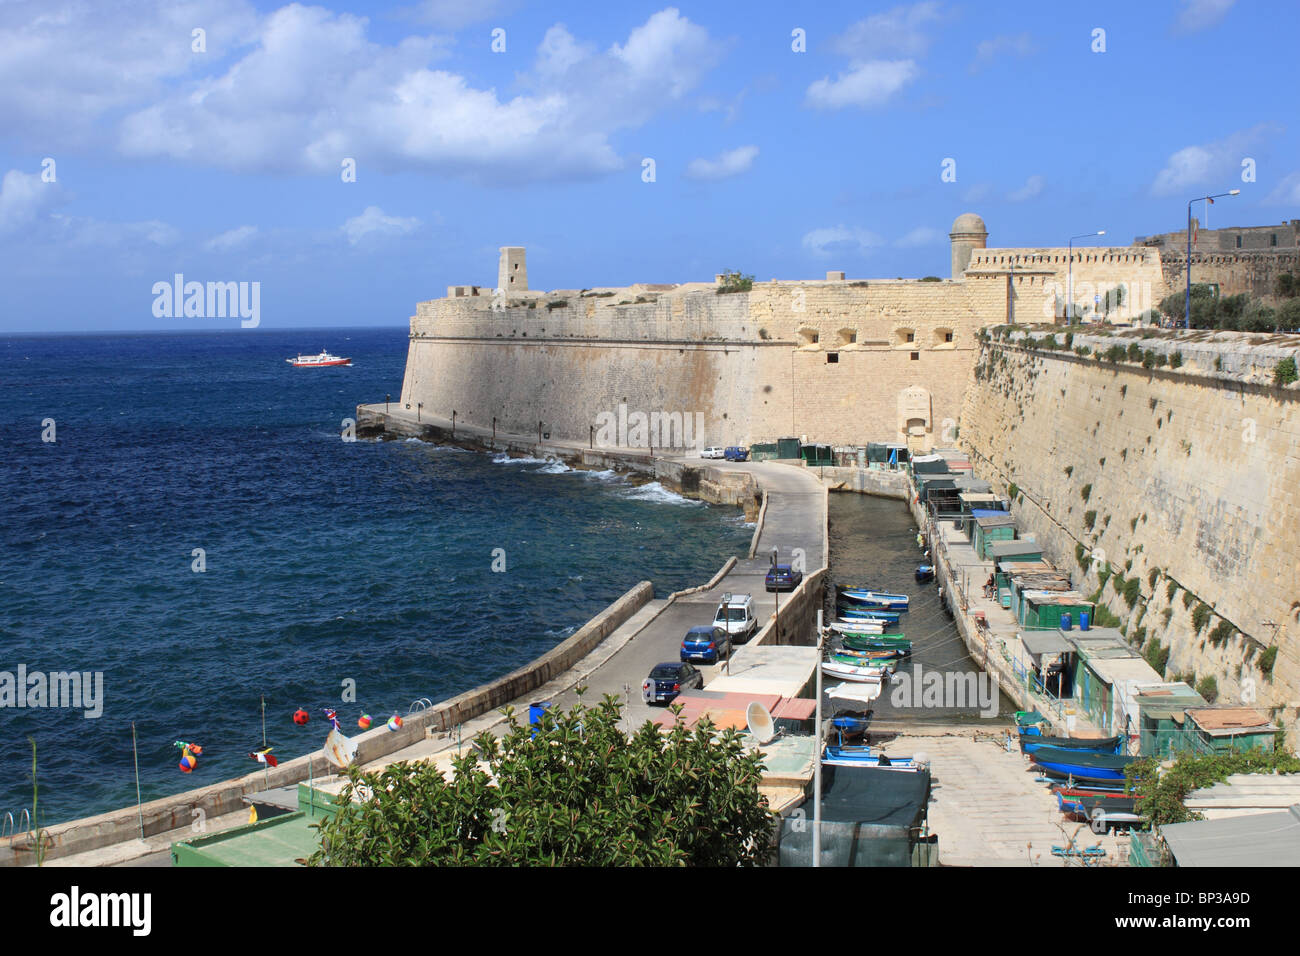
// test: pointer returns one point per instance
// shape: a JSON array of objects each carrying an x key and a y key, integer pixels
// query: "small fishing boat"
[
  {"x": 322, "y": 360},
  {"x": 854, "y": 673},
  {"x": 870, "y": 598},
  {"x": 887, "y": 665},
  {"x": 872, "y": 653},
  {"x": 878, "y": 642},
  {"x": 924, "y": 573},
  {"x": 1083, "y": 803},
  {"x": 869, "y": 614},
  {"x": 858, "y": 627},
  {"x": 847, "y": 755},
  {"x": 1081, "y": 765},
  {"x": 1030, "y": 742}
]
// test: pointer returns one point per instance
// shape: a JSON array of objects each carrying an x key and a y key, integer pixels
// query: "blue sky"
[{"x": 224, "y": 164}]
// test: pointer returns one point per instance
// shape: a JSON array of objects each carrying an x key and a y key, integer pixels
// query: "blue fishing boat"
[
  {"x": 924, "y": 573},
  {"x": 1081, "y": 765},
  {"x": 1031, "y": 742},
  {"x": 869, "y": 614},
  {"x": 869, "y": 598},
  {"x": 847, "y": 755}
]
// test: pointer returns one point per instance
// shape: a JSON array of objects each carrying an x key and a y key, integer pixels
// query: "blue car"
[
  {"x": 705, "y": 643},
  {"x": 736, "y": 454},
  {"x": 782, "y": 577},
  {"x": 668, "y": 680}
]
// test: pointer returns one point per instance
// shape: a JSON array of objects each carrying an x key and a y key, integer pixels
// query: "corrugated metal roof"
[
  {"x": 1257, "y": 839},
  {"x": 1117, "y": 670},
  {"x": 1044, "y": 642},
  {"x": 1005, "y": 549}
]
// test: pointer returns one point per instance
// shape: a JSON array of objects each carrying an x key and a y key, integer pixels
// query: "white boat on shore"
[
  {"x": 843, "y": 626},
  {"x": 858, "y": 675}
]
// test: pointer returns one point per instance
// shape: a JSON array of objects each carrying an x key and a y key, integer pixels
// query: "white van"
[
  {"x": 713, "y": 451},
  {"x": 736, "y": 616}
]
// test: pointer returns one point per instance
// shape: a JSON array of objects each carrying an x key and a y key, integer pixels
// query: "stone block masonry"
[{"x": 1181, "y": 480}]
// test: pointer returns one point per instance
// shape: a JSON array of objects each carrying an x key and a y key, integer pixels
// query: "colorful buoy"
[
  {"x": 364, "y": 722},
  {"x": 300, "y": 716},
  {"x": 394, "y": 723}
]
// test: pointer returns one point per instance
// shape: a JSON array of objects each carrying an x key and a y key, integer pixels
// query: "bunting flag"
[{"x": 264, "y": 756}]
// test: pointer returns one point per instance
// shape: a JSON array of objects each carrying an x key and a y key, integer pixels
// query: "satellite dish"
[{"x": 761, "y": 726}]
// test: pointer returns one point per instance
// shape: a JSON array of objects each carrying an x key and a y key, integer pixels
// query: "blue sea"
[{"x": 324, "y": 562}]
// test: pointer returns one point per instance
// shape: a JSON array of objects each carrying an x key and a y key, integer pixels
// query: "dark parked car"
[
  {"x": 706, "y": 643},
  {"x": 736, "y": 454},
  {"x": 668, "y": 680},
  {"x": 782, "y": 577}
]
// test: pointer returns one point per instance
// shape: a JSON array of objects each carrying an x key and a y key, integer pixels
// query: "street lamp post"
[
  {"x": 1187, "y": 301},
  {"x": 726, "y": 623},
  {"x": 1069, "y": 295}
]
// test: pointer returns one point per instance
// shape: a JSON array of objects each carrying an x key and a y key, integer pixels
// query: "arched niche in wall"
[
  {"x": 944, "y": 338},
  {"x": 904, "y": 337},
  {"x": 848, "y": 336},
  {"x": 809, "y": 337},
  {"x": 915, "y": 420}
]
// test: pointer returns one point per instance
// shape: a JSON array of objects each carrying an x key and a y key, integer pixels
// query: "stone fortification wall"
[
  {"x": 835, "y": 361},
  {"x": 1254, "y": 273},
  {"x": 1040, "y": 279},
  {"x": 1181, "y": 480}
]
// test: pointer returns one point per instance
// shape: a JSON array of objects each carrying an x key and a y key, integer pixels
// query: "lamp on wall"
[{"x": 1187, "y": 301}]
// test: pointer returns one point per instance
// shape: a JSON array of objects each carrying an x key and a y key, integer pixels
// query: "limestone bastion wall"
[
  {"x": 1186, "y": 480},
  {"x": 836, "y": 361}
]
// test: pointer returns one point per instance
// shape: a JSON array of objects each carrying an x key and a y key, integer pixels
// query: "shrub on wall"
[
  {"x": 1176, "y": 360},
  {"x": 1285, "y": 372},
  {"x": 1086, "y": 491},
  {"x": 1208, "y": 688},
  {"x": 1201, "y": 616},
  {"x": 1267, "y": 660},
  {"x": 733, "y": 281},
  {"x": 1132, "y": 590},
  {"x": 1089, "y": 519}
]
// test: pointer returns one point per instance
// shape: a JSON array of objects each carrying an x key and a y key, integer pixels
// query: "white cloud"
[
  {"x": 866, "y": 84},
  {"x": 1033, "y": 186},
  {"x": 1002, "y": 47},
  {"x": 1218, "y": 162},
  {"x": 731, "y": 163},
  {"x": 978, "y": 193},
  {"x": 302, "y": 88},
  {"x": 840, "y": 240},
  {"x": 374, "y": 224},
  {"x": 115, "y": 236},
  {"x": 1286, "y": 192},
  {"x": 920, "y": 236},
  {"x": 231, "y": 239},
  {"x": 1199, "y": 14},
  {"x": 896, "y": 32},
  {"x": 62, "y": 67},
  {"x": 23, "y": 197}
]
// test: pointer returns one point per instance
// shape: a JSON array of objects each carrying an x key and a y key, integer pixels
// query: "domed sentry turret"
[{"x": 968, "y": 234}]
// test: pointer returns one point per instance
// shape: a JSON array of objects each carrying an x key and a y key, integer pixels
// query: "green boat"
[
  {"x": 877, "y": 642},
  {"x": 853, "y": 661}
]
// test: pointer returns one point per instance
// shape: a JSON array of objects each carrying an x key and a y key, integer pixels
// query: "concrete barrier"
[{"x": 218, "y": 799}]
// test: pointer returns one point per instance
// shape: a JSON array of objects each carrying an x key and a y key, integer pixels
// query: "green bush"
[
  {"x": 1132, "y": 591},
  {"x": 733, "y": 281},
  {"x": 1188, "y": 598},
  {"x": 1285, "y": 372},
  {"x": 1222, "y": 632},
  {"x": 1089, "y": 519},
  {"x": 1267, "y": 660},
  {"x": 1152, "y": 577},
  {"x": 1176, "y": 360},
  {"x": 1201, "y": 616},
  {"x": 1208, "y": 688},
  {"x": 1170, "y": 590},
  {"x": 1086, "y": 491},
  {"x": 581, "y": 792}
]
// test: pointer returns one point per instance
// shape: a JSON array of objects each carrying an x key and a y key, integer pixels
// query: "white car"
[
  {"x": 713, "y": 451},
  {"x": 736, "y": 616}
]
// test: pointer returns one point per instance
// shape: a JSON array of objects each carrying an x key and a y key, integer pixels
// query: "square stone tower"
[{"x": 512, "y": 270}]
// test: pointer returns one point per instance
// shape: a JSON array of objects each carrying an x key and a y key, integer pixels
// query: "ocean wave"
[{"x": 658, "y": 494}]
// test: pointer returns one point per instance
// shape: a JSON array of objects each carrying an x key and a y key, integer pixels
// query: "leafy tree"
[
  {"x": 1286, "y": 286},
  {"x": 581, "y": 792}
]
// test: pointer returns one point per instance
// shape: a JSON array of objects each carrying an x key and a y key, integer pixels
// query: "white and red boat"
[{"x": 318, "y": 361}]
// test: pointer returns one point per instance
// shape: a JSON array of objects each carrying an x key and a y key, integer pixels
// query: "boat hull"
[
  {"x": 1081, "y": 765},
  {"x": 1032, "y": 743}
]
